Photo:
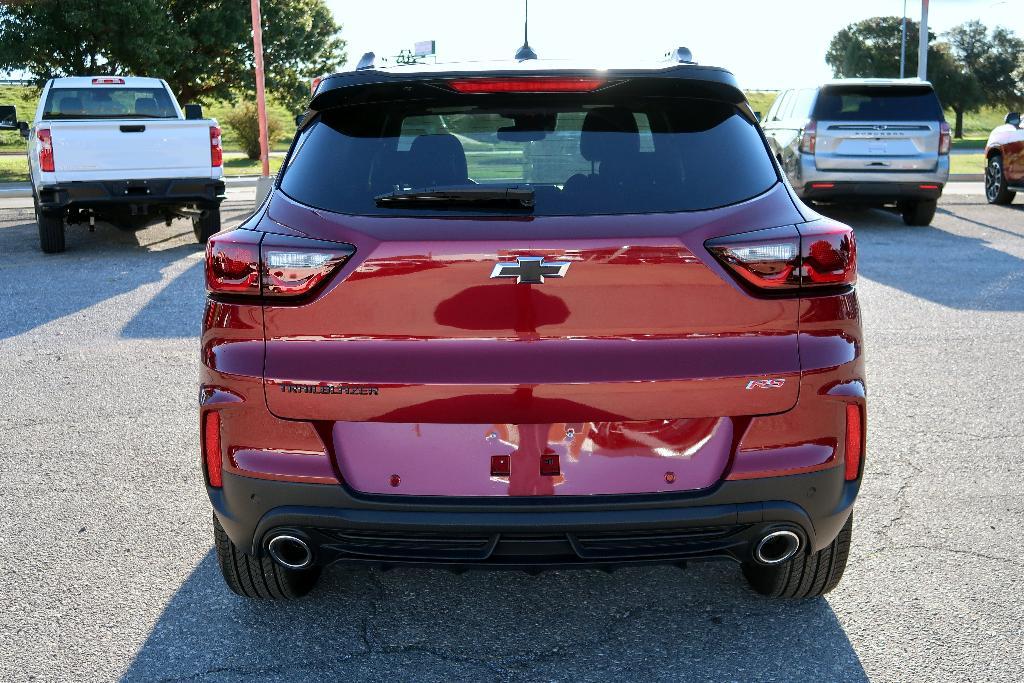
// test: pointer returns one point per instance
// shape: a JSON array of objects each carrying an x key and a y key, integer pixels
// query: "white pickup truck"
[{"x": 120, "y": 149}]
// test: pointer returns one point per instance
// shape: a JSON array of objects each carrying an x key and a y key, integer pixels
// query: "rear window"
[
  {"x": 578, "y": 156},
  {"x": 867, "y": 103},
  {"x": 108, "y": 103}
]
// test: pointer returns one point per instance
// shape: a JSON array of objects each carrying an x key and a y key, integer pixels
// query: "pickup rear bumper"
[{"x": 150, "y": 192}]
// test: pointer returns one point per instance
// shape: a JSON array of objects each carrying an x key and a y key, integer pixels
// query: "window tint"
[
  {"x": 867, "y": 103},
  {"x": 579, "y": 157},
  {"x": 107, "y": 103}
]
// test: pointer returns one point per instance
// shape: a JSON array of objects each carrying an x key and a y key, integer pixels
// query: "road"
[{"x": 107, "y": 570}]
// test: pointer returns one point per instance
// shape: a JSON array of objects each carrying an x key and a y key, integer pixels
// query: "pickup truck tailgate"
[{"x": 130, "y": 149}]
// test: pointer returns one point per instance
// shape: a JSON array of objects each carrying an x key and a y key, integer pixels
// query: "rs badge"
[{"x": 765, "y": 383}]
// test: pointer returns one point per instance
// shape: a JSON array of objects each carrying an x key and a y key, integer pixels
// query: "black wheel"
[
  {"x": 207, "y": 224},
  {"x": 807, "y": 575},
  {"x": 996, "y": 191},
  {"x": 51, "y": 229},
  {"x": 262, "y": 578},
  {"x": 920, "y": 212}
]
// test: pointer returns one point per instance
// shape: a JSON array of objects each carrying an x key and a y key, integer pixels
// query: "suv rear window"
[
  {"x": 108, "y": 103},
  {"x": 874, "y": 103},
  {"x": 579, "y": 156}
]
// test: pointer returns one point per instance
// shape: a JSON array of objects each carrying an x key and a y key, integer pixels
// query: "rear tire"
[
  {"x": 807, "y": 575},
  {"x": 51, "y": 229},
  {"x": 996, "y": 191},
  {"x": 207, "y": 225},
  {"x": 260, "y": 578},
  {"x": 920, "y": 212}
]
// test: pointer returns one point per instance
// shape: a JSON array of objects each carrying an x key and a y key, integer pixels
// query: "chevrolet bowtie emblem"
[{"x": 530, "y": 270}]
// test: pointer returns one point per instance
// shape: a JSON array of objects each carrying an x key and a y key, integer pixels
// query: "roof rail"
[
  {"x": 680, "y": 55},
  {"x": 366, "y": 61}
]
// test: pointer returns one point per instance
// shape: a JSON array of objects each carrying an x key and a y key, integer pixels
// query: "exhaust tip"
[
  {"x": 777, "y": 547},
  {"x": 290, "y": 552}
]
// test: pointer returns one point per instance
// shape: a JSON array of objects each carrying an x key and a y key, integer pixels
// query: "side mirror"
[
  {"x": 1013, "y": 118},
  {"x": 193, "y": 112},
  {"x": 299, "y": 118},
  {"x": 23, "y": 129},
  {"x": 8, "y": 117},
  {"x": 757, "y": 115}
]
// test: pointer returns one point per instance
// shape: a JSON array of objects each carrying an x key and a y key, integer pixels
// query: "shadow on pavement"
[
  {"x": 935, "y": 263},
  {"x": 658, "y": 623}
]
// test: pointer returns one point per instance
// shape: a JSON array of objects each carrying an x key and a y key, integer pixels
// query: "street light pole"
[
  {"x": 922, "y": 44},
  {"x": 903, "y": 41},
  {"x": 261, "y": 95}
]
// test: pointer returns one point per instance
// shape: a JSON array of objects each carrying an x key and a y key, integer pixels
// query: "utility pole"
[
  {"x": 264, "y": 147},
  {"x": 922, "y": 44},
  {"x": 903, "y": 42}
]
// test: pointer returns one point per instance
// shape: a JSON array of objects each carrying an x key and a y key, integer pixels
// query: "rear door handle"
[{"x": 133, "y": 129}]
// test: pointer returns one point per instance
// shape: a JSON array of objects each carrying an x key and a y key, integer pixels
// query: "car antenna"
[{"x": 526, "y": 52}]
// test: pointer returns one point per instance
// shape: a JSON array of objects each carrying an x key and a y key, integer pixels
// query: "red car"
[
  {"x": 1004, "y": 161},
  {"x": 532, "y": 317}
]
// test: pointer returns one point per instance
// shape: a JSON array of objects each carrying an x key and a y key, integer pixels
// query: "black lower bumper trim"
[
  {"x": 157, "y": 191},
  {"x": 723, "y": 522},
  {"x": 870, "y": 191}
]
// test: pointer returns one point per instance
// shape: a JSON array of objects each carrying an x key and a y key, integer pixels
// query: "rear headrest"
[
  {"x": 71, "y": 106},
  {"x": 437, "y": 160},
  {"x": 146, "y": 106},
  {"x": 595, "y": 142}
]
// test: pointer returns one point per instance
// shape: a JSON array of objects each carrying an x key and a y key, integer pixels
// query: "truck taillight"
[
  {"x": 216, "y": 150},
  {"x": 239, "y": 264},
  {"x": 809, "y": 256},
  {"x": 809, "y": 137},
  {"x": 45, "y": 150},
  {"x": 944, "y": 140}
]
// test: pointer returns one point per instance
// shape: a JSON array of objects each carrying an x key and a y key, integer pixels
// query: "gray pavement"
[{"x": 107, "y": 570}]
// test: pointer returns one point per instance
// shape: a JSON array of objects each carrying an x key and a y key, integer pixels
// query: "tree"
[
  {"x": 871, "y": 49},
  {"x": 989, "y": 62},
  {"x": 203, "y": 49}
]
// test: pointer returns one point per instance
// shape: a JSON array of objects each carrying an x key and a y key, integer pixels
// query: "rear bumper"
[
  {"x": 870, "y": 191},
  {"x": 151, "y": 192},
  {"x": 724, "y": 522},
  {"x": 874, "y": 185}
]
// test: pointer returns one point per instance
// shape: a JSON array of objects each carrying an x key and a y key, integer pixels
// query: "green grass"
[
  {"x": 967, "y": 163},
  {"x": 13, "y": 169},
  {"x": 761, "y": 100}
]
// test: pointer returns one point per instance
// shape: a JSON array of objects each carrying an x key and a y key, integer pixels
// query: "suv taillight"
[
  {"x": 45, "y": 150},
  {"x": 944, "y": 140},
  {"x": 216, "y": 150},
  {"x": 817, "y": 254},
  {"x": 238, "y": 263},
  {"x": 808, "y": 137}
]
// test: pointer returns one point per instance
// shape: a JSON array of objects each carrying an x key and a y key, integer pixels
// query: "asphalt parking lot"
[{"x": 107, "y": 570}]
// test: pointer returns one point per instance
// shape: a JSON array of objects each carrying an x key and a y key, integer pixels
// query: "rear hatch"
[
  {"x": 592, "y": 330},
  {"x": 877, "y": 128}
]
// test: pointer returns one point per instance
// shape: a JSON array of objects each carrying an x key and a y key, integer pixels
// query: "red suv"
[
  {"x": 1004, "y": 161},
  {"x": 532, "y": 317}
]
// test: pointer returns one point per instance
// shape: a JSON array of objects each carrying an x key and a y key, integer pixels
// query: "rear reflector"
[
  {"x": 216, "y": 150},
  {"x": 532, "y": 84},
  {"x": 854, "y": 441},
  {"x": 108, "y": 81},
  {"x": 816, "y": 254},
  {"x": 822, "y": 186},
  {"x": 928, "y": 187},
  {"x": 211, "y": 449},
  {"x": 45, "y": 150}
]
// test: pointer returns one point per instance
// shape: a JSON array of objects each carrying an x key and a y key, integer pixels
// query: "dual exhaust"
[
  {"x": 291, "y": 552},
  {"x": 777, "y": 546}
]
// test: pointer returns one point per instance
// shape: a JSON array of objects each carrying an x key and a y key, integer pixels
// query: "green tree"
[
  {"x": 989, "y": 62},
  {"x": 871, "y": 49},
  {"x": 202, "y": 48}
]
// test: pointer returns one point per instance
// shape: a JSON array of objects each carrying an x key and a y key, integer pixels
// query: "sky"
[{"x": 768, "y": 44}]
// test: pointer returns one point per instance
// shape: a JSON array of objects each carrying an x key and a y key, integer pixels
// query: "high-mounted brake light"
[
  {"x": 809, "y": 137},
  {"x": 532, "y": 84},
  {"x": 817, "y": 254},
  {"x": 108, "y": 81},
  {"x": 944, "y": 141},
  {"x": 212, "y": 458},
  {"x": 45, "y": 150},
  {"x": 239, "y": 263},
  {"x": 216, "y": 150},
  {"x": 854, "y": 440}
]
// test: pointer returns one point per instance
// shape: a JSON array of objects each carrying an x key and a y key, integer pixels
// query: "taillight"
[
  {"x": 216, "y": 150},
  {"x": 238, "y": 264},
  {"x": 212, "y": 457},
  {"x": 817, "y": 254},
  {"x": 808, "y": 137},
  {"x": 108, "y": 80},
  {"x": 533, "y": 84},
  {"x": 854, "y": 440},
  {"x": 45, "y": 150},
  {"x": 944, "y": 140}
]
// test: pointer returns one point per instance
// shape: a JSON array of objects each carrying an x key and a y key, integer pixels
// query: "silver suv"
[{"x": 874, "y": 141}]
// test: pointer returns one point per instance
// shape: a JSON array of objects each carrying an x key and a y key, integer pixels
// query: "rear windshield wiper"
[{"x": 460, "y": 195}]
